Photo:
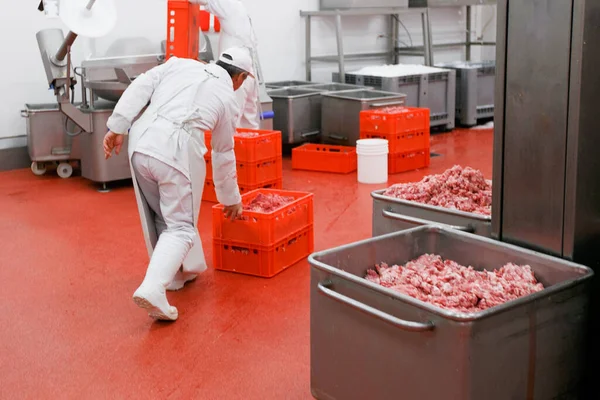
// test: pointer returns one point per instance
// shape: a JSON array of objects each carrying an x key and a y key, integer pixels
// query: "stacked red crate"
[
  {"x": 258, "y": 158},
  {"x": 406, "y": 129},
  {"x": 264, "y": 243}
]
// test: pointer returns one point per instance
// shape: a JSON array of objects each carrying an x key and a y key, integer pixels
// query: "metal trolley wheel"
[
  {"x": 64, "y": 170},
  {"x": 38, "y": 169}
]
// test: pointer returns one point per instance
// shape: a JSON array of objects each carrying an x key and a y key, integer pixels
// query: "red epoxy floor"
[{"x": 72, "y": 257}]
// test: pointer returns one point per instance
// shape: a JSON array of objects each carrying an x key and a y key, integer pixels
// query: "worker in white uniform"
[
  {"x": 237, "y": 31},
  {"x": 185, "y": 98}
]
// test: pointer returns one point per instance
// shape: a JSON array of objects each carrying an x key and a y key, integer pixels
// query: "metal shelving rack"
[{"x": 394, "y": 51}]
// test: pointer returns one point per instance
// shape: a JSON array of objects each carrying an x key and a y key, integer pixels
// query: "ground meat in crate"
[
  {"x": 247, "y": 134},
  {"x": 463, "y": 189},
  {"x": 449, "y": 285},
  {"x": 267, "y": 203}
]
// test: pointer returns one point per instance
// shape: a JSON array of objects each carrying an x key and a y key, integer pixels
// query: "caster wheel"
[
  {"x": 64, "y": 170},
  {"x": 38, "y": 169}
]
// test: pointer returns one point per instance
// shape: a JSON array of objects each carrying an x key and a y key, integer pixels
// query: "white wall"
[{"x": 278, "y": 25}]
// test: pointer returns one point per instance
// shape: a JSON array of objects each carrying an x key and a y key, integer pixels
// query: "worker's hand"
[
  {"x": 112, "y": 141},
  {"x": 233, "y": 212}
]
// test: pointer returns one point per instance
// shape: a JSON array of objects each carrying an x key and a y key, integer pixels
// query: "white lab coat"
[
  {"x": 237, "y": 31},
  {"x": 186, "y": 98}
]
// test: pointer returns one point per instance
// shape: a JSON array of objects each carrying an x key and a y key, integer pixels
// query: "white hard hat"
[{"x": 238, "y": 57}]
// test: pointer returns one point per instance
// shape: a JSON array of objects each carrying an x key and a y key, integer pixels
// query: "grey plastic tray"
[
  {"x": 369, "y": 342},
  {"x": 436, "y": 91},
  {"x": 475, "y": 89}
]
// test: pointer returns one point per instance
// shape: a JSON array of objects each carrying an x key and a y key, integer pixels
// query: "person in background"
[
  {"x": 166, "y": 152},
  {"x": 237, "y": 31}
]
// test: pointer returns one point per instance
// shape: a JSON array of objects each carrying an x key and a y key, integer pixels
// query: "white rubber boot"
[
  {"x": 195, "y": 262},
  {"x": 181, "y": 278},
  {"x": 193, "y": 265},
  {"x": 166, "y": 260}
]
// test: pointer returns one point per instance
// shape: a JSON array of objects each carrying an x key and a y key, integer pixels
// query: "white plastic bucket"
[{"x": 372, "y": 160}]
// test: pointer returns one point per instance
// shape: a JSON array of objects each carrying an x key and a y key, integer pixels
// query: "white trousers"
[{"x": 169, "y": 195}]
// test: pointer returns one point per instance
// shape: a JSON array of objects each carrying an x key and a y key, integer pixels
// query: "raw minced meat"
[
  {"x": 393, "y": 110},
  {"x": 449, "y": 285},
  {"x": 266, "y": 203},
  {"x": 247, "y": 134},
  {"x": 458, "y": 188}
]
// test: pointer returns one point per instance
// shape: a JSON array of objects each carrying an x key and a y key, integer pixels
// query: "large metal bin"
[
  {"x": 297, "y": 114},
  {"x": 369, "y": 342},
  {"x": 436, "y": 91},
  {"x": 93, "y": 164},
  {"x": 393, "y": 215},
  {"x": 475, "y": 84},
  {"x": 348, "y": 4},
  {"x": 46, "y": 137},
  {"x": 287, "y": 84},
  {"x": 340, "y": 119}
]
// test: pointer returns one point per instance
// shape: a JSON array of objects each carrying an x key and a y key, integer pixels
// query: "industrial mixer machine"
[{"x": 103, "y": 81}]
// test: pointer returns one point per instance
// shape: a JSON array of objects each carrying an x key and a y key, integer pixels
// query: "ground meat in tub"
[
  {"x": 458, "y": 188},
  {"x": 449, "y": 285},
  {"x": 266, "y": 203}
]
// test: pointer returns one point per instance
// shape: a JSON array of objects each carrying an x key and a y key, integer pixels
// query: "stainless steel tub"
[
  {"x": 46, "y": 137},
  {"x": 393, "y": 215},
  {"x": 340, "y": 119},
  {"x": 287, "y": 84},
  {"x": 297, "y": 114},
  {"x": 335, "y": 87},
  {"x": 369, "y": 342}
]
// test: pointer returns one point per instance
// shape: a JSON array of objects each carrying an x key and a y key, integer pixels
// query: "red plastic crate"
[
  {"x": 264, "y": 229},
  {"x": 395, "y": 120},
  {"x": 408, "y": 161},
  {"x": 265, "y": 146},
  {"x": 406, "y": 129},
  {"x": 209, "y": 194},
  {"x": 324, "y": 158},
  {"x": 183, "y": 29},
  {"x": 263, "y": 261},
  {"x": 253, "y": 173}
]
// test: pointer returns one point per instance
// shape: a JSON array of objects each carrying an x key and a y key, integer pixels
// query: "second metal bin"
[
  {"x": 297, "y": 114},
  {"x": 287, "y": 84},
  {"x": 393, "y": 215},
  {"x": 47, "y": 138},
  {"x": 340, "y": 119},
  {"x": 370, "y": 342}
]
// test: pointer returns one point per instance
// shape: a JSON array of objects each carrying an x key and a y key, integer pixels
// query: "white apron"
[{"x": 195, "y": 261}]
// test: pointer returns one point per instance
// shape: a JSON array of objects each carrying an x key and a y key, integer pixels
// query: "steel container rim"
[
  {"x": 385, "y": 95},
  {"x": 447, "y": 314},
  {"x": 378, "y": 195}
]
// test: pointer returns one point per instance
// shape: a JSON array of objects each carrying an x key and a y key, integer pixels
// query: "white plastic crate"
[
  {"x": 427, "y": 87},
  {"x": 475, "y": 88}
]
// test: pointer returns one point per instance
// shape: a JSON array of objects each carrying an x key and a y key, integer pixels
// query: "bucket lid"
[{"x": 372, "y": 143}]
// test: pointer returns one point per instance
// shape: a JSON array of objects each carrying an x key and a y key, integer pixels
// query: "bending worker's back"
[{"x": 166, "y": 151}]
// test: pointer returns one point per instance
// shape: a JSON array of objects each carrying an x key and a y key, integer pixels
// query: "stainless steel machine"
[
  {"x": 103, "y": 81},
  {"x": 546, "y": 193}
]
